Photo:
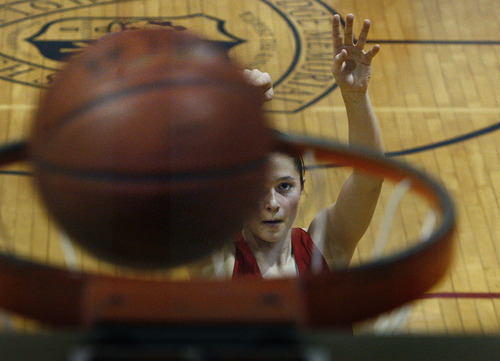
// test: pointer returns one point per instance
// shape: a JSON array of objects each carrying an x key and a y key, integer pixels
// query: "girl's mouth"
[{"x": 272, "y": 222}]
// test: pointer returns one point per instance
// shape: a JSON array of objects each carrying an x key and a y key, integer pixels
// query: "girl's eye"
[{"x": 285, "y": 186}]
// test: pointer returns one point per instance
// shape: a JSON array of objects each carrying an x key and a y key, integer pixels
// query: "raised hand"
[{"x": 351, "y": 64}]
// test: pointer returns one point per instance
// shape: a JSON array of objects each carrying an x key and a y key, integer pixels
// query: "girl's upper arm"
[{"x": 337, "y": 229}]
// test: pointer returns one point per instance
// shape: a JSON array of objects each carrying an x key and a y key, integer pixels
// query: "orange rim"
[{"x": 65, "y": 298}]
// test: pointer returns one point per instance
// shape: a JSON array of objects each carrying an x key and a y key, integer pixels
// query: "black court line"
[
  {"x": 431, "y": 146},
  {"x": 15, "y": 172},
  {"x": 457, "y": 139}
]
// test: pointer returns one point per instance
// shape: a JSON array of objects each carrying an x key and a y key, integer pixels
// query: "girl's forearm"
[{"x": 363, "y": 126}]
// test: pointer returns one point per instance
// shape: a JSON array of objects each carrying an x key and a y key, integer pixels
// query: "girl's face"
[{"x": 279, "y": 203}]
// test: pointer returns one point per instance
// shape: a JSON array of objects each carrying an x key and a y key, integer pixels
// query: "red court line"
[{"x": 480, "y": 295}]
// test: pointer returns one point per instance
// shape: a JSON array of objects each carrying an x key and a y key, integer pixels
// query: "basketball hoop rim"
[{"x": 338, "y": 298}]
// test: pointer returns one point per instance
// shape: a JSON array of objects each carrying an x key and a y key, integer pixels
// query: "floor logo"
[{"x": 289, "y": 38}]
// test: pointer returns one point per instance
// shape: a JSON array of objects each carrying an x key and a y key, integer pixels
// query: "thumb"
[{"x": 338, "y": 60}]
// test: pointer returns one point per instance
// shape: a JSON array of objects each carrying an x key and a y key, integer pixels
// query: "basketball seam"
[
  {"x": 143, "y": 88},
  {"x": 162, "y": 177}
]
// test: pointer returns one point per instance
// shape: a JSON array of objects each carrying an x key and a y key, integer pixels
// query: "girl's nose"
[{"x": 272, "y": 201}]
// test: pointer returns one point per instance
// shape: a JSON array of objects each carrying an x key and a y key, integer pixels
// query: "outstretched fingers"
[
  {"x": 363, "y": 35},
  {"x": 361, "y": 43},
  {"x": 337, "y": 34},
  {"x": 370, "y": 54},
  {"x": 348, "y": 37}
]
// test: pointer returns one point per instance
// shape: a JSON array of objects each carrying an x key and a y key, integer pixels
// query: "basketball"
[{"x": 149, "y": 147}]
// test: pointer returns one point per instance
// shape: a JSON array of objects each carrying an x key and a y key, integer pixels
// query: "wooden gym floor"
[{"x": 434, "y": 88}]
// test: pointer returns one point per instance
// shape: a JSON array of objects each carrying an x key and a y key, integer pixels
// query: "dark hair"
[
  {"x": 299, "y": 164},
  {"x": 297, "y": 159}
]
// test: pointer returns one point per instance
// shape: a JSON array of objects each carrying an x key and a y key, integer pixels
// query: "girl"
[{"x": 268, "y": 245}]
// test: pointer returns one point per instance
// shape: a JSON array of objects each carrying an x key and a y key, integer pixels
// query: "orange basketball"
[{"x": 149, "y": 148}]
